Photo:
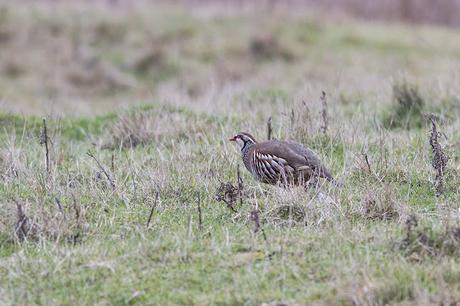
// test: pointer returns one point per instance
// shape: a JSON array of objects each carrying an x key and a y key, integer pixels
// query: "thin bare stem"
[
  {"x": 58, "y": 203},
  {"x": 76, "y": 207},
  {"x": 102, "y": 169},
  {"x": 366, "y": 158},
  {"x": 240, "y": 184},
  {"x": 440, "y": 158},
  {"x": 200, "y": 220},
  {"x": 324, "y": 115},
  {"x": 112, "y": 164},
  {"x": 153, "y": 208},
  {"x": 269, "y": 128},
  {"x": 44, "y": 140}
]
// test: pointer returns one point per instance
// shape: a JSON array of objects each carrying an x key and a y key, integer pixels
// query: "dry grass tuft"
[
  {"x": 131, "y": 130},
  {"x": 138, "y": 128},
  {"x": 283, "y": 213},
  {"x": 362, "y": 292},
  {"x": 300, "y": 122},
  {"x": 268, "y": 47},
  {"x": 296, "y": 207},
  {"x": 150, "y": 58},
  {"x": 25, "y": 228},
  {"x": 98, "y": 77},
  {"x": 426, "y": 241},
  {"x": 27, "y": 221},
  {"x": 407, "y": 109},
  {"x": 380, "y": 205},
  {"x": 12, "y": 160}
]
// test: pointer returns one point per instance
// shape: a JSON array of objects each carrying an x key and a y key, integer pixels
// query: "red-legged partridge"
[{"x": 275, "y": 161}]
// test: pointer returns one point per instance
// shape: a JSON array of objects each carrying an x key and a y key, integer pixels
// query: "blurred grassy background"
[{"x": 85, "y": 57}]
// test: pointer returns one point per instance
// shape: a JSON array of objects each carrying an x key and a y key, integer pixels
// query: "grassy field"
[{"x": 130, "y": 205}]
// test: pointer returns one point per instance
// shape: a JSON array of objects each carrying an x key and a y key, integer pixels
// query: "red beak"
[{"x": 233, "y": 138}]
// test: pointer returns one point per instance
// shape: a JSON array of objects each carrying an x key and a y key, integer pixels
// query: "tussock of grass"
[
  {"x": 42, "y": 222},
  {"x": 140, "y": 127},
  {"x": 408, "y": 107},
  {"x": 296, "y": 207},
  {"x": 380, "y": 204},
  {"x": 131, "y": 130},
  {"x": 422, "y": 241},
  {"x": 12, "y": 160},
  {"x": 268, "y": 47}
]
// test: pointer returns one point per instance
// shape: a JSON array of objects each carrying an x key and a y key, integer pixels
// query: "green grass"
[{"x": 88, "y": 243}]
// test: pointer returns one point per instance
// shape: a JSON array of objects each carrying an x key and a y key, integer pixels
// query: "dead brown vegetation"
[
  {"x": 28, "y": 221},
  {"x": 425, "y": 241},
  {"x": 268, "y": 47},
  {"x": 380, "y": 204},
  {"x": 440, "y": 158},
  {"x": 140, "y": 127},
  {"x": 228, "y": 194}
]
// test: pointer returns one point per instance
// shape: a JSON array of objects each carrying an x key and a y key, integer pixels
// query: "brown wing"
[{"x": 296, "y": 156}]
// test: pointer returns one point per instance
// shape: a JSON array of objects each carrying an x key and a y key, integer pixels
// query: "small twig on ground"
[
  {"x": 102, "y": 169},
  {"x": 44, "y": 141},
  {"x": 440, "y": 159},
  {"x": 112, "y": 164},
  {"x": 269, "y": 128},
  {"x": 324, "y": 115},
  {"x": 200, "y": 220},
  {"x": 153, "y": 208}
]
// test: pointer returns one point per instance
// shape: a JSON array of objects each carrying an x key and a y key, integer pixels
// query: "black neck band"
[{"x": 244, "y": 146}]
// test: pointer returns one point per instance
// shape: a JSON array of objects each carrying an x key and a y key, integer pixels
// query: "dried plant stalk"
[
  {"x": 324, "y": 115},
  {"x": 44, "y": 141},
  {"x": 269, "y": 128},
  {"x": 112, "y": 184},
  {"x": 440, "y": 158}
]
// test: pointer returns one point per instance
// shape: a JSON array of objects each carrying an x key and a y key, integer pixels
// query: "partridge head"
[{"x": 276, "y": 161}]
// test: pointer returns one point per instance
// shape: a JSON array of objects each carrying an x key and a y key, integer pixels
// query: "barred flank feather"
[{"x": 275, "y": 161}]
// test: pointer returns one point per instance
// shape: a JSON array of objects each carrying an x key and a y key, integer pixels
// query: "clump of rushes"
[{"x": 407, "y": 109}]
